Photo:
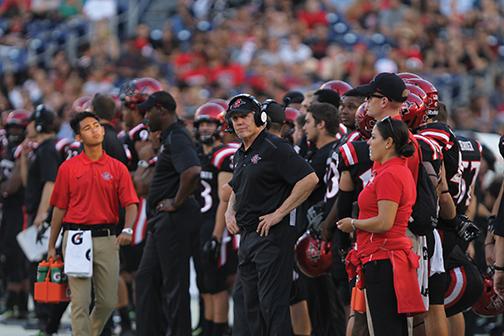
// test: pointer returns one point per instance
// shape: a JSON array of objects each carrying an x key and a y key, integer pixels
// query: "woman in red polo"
[{"x": 383, "y": 256}]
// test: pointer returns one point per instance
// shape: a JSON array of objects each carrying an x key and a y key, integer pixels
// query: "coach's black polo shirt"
[
  {"x": 263, "y": 178},
  {"x": 112, "y": 145},
  {"x": 176, "y": 154},
  {"x": 42, "y": 167}
]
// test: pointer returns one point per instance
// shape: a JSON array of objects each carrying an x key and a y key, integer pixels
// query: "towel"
[{"x": 79, "y": 254}]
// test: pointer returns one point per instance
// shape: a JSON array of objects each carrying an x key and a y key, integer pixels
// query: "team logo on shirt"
[
  {"x": 255, "y": 159},
  {"x": 106, "y": 176}
]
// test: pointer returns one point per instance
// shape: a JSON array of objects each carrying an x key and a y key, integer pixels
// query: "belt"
[{"x": 97, "y": 230}]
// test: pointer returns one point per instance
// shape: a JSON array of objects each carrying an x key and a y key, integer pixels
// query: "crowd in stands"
[{"x": 218, "y": 48}]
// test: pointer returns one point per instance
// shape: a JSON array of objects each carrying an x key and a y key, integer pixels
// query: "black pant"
[
  {"x": 162, "y": 281},
  {"x": 265, "y": 271},
  {"x": 325, "y": 307},
  {"x": 240, "y": 325},
  {"x": 382, "y": 300}
]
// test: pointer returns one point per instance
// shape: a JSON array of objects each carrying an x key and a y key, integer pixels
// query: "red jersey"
[{"x": 91, "y": 191}]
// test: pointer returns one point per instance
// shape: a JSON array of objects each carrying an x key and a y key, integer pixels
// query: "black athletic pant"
[
  {"x": 162, "y": 281},
  {"x": 382, "y": 300},
  {"x": 240, "y": 324},
  {"x": 265, "y": 271}
]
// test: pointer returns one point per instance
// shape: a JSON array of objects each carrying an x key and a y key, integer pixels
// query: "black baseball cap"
[
  {"x": 243, "y": 104},
  {"x": 353, "y": 93},
  {"x": 275, "y": 111},
  {"x": 294, "y": 97},
  {"x": 388, "y": 84},
  {"x": 162, "y": 99}
]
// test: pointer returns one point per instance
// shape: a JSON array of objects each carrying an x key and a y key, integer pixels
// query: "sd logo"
[{"x": 77, "y": 238}]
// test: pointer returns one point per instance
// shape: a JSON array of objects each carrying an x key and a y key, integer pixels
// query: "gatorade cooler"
[{"x": 54, "y": 287}]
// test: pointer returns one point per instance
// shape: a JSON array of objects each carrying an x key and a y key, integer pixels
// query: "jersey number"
[{"x": 206, "y": 195}]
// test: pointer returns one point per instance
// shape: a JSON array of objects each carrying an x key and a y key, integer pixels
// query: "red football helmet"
[
  {"x": 313, "y": 255},
  {"x": 337, "y": 85},
  {"x": 363, "y": 121},
  {"x": 18, "y": 118},
  {"x": 416, "y": 90},
  {"x": 489, "y": 303},
  {"x": 220, "y": 102},
  {"x": 291, "y": 114},
  {"x": 82, "y": 104},
  {"x": 138, "y": 90},
  {"x": 413, "y": 111},
  {"x": 407, "y": 76},
  {"x": 210, "y": 112},
  {"x": 432, "y": 100}
]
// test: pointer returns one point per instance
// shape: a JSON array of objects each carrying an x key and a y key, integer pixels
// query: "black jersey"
[
  {"x": 7, "y": 164},
  {"x": 471, "y": 160},
  {"x": 68, "y": 148},
  {"x": 138, "y": 133},
  {"x": 354, "y": 158},
  {"x": 318, "y": 161},
  {"x": 431, "y": 151},
  {"x": 220, "y": 159},
  {"x": 452, "y": 158},
  {"x": 332, "y": 174}
]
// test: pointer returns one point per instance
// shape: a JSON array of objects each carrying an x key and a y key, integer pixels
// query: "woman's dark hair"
[{"x": 398, "y": 131}]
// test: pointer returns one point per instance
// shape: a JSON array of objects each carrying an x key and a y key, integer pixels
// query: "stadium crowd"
[{"x": 184, "y": 105}]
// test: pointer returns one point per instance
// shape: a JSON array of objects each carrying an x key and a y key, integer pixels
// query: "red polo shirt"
[
  {"x": 91, "y": 191},
  {"x": 392, "y": 181}
]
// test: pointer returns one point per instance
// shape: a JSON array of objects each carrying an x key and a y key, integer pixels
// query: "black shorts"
[
  {"x": 464, "y": 287},
  {"x": 16, "y": 264},
  {"x": 298, "y": 287},
  {"x": 216, "y": 278},
  {"x": 437, "y": 288},
  {"x": 130, "y": 256}
]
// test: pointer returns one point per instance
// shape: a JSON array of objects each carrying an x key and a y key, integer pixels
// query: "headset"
[
  {"x": 44, "y": 119},
  {"x": 260, "y": 116}
]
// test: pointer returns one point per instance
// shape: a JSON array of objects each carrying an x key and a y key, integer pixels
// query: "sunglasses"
[
  {"x": 389, "y": 122},
  {"x": 376, "y": 96}
]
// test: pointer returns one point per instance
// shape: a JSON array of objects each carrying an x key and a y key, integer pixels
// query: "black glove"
[
  {"x": 211, "y": 250},
  {"x": 466, "y": 229},
  {"x": 491, "y": 223},
  {"x": 315, "y": 216}
]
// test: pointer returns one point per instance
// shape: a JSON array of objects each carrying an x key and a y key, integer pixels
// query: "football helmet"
[
  {"x": 209, "y": 112},
  {"x": 313, "y": 255},
  {"x": 337, "y": 85},
  {"x": 432, "y": 99},
  {"x": 363, "y": 121},
  {"x": 407, "y": 75},
  {"x": 82, "y": 104},
  {"x": 138, "y": 90},
  {"x": 489, "y": 303},
  {"x": 413, "y": 112}
]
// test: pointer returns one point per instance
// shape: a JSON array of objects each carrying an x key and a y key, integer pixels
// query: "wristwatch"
[
  {"x": 143, "y": 164},
  {"x": 128, "y": 231}
]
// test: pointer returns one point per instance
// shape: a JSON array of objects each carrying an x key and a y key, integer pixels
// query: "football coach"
[{"x": 269, "y": 181}]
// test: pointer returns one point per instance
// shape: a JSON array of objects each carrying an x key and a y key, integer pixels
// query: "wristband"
[
  {"x": 498, "y": 268},
  {"x": 128, "y": 231},
  {"x": 353, "y": 224}
]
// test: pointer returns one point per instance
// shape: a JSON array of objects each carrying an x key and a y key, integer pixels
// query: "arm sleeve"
[
  {"x": 388, "y": 187},
  {"x": 127, "y": 193},
  {"x": 183, "y": 152},
  {"x": 49, "y": 167},
  {"x": 290, "y": 165},
  {"x": 60, "y": 196}
]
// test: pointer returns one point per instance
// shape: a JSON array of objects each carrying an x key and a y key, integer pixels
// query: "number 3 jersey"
[{"x": 220, "y": 159}]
